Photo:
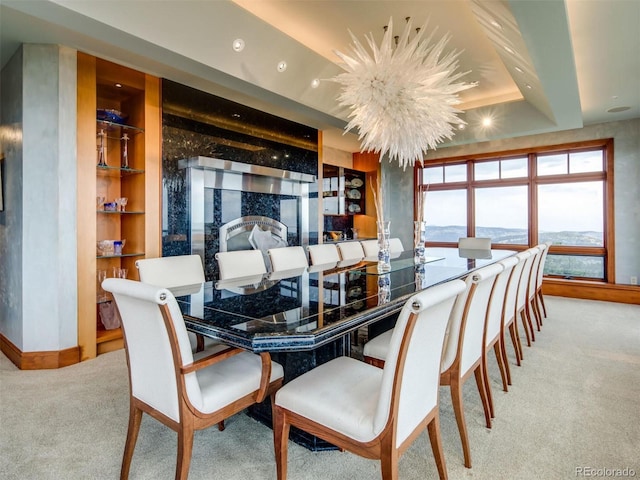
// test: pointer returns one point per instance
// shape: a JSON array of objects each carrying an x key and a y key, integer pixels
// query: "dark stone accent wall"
[{"x": 195, "y": 123}]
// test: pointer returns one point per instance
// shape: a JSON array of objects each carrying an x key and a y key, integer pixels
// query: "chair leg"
[
  {"x": 389, "y": 461},
  {"x": 483, "y": 388},
  {"x": 280, "y": 440},
  {"x": 458, "y": 410},
  {"x": 505, "y": 360},
  {"x": 135, "y": 418},
  {"x": 185, "y": 449},
  {"x": 485, "y": 380},
  {"x": 523, "y": 317},
  {"x": 436, "y": 446},
  {"x": 497, "y": 348},
  {"x": 536, "y": 313},
  {"x": 527, "y": 314},
  {"x": 199, "y": 343},
  {"x": 541, "y": 297},
  {"x": 515, "y": 341},
  {"x": 221, "y": 426}
]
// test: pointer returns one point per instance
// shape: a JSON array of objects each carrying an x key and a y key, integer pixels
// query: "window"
[{"x": 555, "y": 194}]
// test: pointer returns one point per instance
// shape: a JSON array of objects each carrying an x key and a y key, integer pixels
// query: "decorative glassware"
[
  {"x": 100, "y": 202},
  {"x": 421, "y": 276},
  {"x": 384, "y": 259},
  {"x": 101, "y": 293},
  {"x": 354, "y": 233},
  {"x": 419, "y": 237},
  {"x": 384, "y": 288},
  {"x": 102, "y": 153},
  {"x": 125, "y": 151},
  {"x": 121, "y": 203}
]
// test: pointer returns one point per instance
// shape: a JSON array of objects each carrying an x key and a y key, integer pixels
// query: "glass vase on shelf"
[
  {"x": 102, "y": 153},
  {"x": 384, "y": 289},
  {"x": 419, "y": 237},
  {"x": 384, "y": 258},
  {"x": 125, "y": 151}
]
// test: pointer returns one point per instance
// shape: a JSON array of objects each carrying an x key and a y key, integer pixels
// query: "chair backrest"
[
  {"x": 370, "y": 248},
  {"x": 474, "y": 243},
  {"x": 498, "y": 299},
  {"x": 177, "y": 273},
  {"x": 395, "y": 245},
  {"x": 240, "y": 263},
  {"x": 412, "y": 367},
  {"x": 523, "y": 287},
  {"x": 511, "y": 298},
  {"x": 155, "y": 339},
  {"x": 466, "y": 329},
  {"x": 543, "y": 260},
  {"x": 323, "y": 253},
  {"x": 350, "y": 250},
  {"x": 535, "y": 267},
  {"x": 287, "y": 258}
]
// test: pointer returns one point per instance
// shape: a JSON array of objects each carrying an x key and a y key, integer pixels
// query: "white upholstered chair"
[
  {"x": 370, "y": 248},
  {"x": 323, "y": 253},
  {"x": 532, "y": 299},
  {"x": 350, "y": 250},
  {"x": 166, "y": 381},
  {"x": 395, "y": 245},
  {"x": 463, "y": 349},
  {"x": 182, "y": 274},
  {"x": 240, "y": 263},
  {"x": 540, "y": 278},
  {"x": 474, "y": 243},
  {"x": 509, "y": 319},
  {"x": 493, "y": 333},
  {"x": 375, "y": 413},
  {"x": 287, "y": 258},
  {"x": 522, "y": 298}
]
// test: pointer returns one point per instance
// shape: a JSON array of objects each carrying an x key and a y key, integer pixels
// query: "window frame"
[{"x": 532, "y": 180}]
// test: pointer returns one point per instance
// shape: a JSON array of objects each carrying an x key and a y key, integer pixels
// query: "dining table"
[{"x": 305, "y": 317}]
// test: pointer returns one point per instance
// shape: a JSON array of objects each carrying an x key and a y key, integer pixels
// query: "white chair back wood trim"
[{"x": 395, "y": 245}]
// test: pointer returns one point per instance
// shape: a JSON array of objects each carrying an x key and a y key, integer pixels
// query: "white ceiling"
[{"x": 576, "y": 58}]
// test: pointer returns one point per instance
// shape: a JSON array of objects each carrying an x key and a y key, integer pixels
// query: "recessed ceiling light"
[
  {"x": 528, "y": 86},
  {"x": 496, "y": 24},
  {"x": 486, "y": 122},
  {"x": 518, "y": 69},
  {"x": 282, "y": 66},
  {"x": 118, "y": 85},
  {"x": 315, "y": 83},
  {"x": 509, "y": 49},
  {"x": 461, "y": 126},
  {"x": 618, "y": 109},
  {"x": 235, "y": 115},
  {"x": 238, "y": 45}
]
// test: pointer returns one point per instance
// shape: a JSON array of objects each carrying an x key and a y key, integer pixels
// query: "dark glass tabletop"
[{"x": 303, "y": 309}]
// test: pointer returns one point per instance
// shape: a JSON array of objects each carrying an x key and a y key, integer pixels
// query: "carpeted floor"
[{"x": 574, "y": 404}]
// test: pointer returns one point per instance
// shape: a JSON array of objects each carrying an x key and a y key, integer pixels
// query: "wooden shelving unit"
[{"x": 105, "y": 85}]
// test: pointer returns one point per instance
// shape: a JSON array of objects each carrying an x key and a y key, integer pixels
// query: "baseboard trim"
[
  {"x": 592, "y": 290},
  {"x": 39, "y": 360}
]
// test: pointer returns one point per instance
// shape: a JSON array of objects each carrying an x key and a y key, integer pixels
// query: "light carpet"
[{"x": 574, "y": 404}]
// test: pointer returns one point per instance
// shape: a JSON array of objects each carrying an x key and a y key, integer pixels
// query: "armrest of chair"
[
  {"x": 210, "y": 360},
  {"x": 265, "y": 379}
]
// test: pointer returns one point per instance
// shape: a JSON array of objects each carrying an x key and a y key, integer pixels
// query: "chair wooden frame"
[
  {"x": 540, "y": 277},
  {"x": 191, "y": 419}
]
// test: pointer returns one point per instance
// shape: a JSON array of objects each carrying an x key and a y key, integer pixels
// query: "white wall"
[{"x": 38, "y": 308}]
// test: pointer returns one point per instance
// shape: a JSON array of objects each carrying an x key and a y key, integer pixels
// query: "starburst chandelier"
[{"x": 401, "y": 96}]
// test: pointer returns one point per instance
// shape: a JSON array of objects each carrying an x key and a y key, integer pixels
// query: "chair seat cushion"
[
  {"x": 378, "y": 347},
  {"x": 233, "y": 378},
  {"x": 341, "y": 394}
]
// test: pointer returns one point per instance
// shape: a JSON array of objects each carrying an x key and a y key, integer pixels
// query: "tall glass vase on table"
[
  {"x": 419, "y": 238},
  {"x": 384, "y": 257}
]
